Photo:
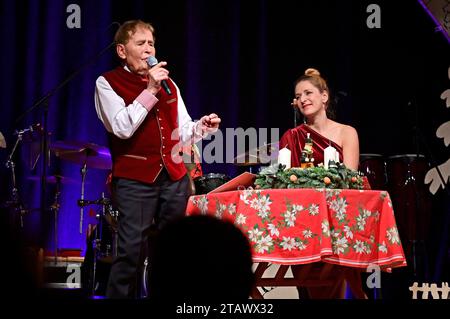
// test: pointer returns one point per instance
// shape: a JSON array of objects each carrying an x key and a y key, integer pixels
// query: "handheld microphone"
[{"x": 152, "y": 61}]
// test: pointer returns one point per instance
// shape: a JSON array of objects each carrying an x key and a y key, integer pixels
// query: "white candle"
[
  {"x": 336, "y": 158},
  {"x": 284, "y": 157},
  {"x": 329, "y": 154}
]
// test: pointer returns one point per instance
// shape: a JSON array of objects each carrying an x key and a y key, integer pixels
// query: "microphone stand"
[
  {"x": 295, "y": 115},
  {"x": 83, "y": 172},
  {"x": 55, "y": 209},
  {"x": 15, "y": 202},
  {"x": 43, "y": 102}
]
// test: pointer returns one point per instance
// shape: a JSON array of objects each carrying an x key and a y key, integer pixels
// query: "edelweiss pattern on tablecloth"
[{"x": 298, "y": 226}]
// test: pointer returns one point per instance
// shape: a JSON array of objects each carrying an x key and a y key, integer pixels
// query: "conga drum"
[
  {"x": 409, "y": 194},
  {"x": 373, "y": 166}
]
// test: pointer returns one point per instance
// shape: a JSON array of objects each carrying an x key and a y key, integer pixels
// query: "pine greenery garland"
[{"x": 339, "y": 177}]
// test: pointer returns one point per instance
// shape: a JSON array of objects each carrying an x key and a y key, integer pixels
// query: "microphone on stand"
[
  {"x": 295, "y": 114},
  {"x": 152, "y": 61},
  {"x": 32, "y": 128}
]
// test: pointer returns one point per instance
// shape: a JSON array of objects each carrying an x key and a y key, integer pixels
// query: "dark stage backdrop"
[{"x": 236, "y": 58}]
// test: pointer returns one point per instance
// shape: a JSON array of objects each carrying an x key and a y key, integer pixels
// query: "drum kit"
[
  {"x": 88, "y": 155},
  {"x": 103, "y": 237}
]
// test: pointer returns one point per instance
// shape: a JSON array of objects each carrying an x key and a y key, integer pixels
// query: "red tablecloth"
[{"x": 299, "y": 226}]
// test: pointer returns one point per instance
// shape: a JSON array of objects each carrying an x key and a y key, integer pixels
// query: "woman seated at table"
[{"x": 312, "y": 98}]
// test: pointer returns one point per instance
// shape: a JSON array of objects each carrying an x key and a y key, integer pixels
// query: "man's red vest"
[{"x": 143, "y": 156}]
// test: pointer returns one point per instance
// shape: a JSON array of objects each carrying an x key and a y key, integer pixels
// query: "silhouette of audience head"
[
  {"x": 19, "y": 275},
  {"x": 201, "y": 258}
]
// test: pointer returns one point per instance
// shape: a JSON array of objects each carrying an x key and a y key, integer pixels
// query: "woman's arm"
[{"x": 350, "y": 147}]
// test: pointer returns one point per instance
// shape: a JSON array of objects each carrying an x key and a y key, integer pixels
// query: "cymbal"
[
  {"x": 93, "y": 155},
  {"x": 260, "y": 155},
  {"x": 53, "y": 179}
]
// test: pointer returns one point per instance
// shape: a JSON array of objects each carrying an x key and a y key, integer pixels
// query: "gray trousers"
[{"x": 140, "y": 206}]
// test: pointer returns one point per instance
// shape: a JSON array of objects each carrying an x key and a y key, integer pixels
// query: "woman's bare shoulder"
[
  {"x": 349, "y": 129},
  {"x": 343, "y": 128},
  {"x": 346, "y": 132},
  {"x": 349, "y": 133}
]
